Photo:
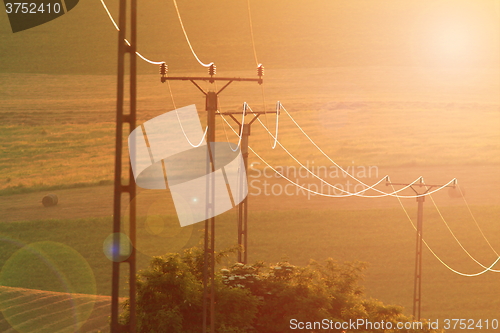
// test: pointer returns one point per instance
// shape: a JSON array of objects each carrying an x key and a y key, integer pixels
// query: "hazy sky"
[{"x": 292, "y": 33}]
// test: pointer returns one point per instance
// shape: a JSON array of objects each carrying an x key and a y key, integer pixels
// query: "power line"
[
  {"x": 163, "y": 71},
  {"x": 240, "y": 136},
  {"x": 180, "y": 123},
  {"x": 147, "y": 60},
  {"x": 420, "y": 199},
  {"x": 211, "y": 99},
  {"x": 399, "y": 200},
  {"x": 437, "y": 257},
  {"x": 309, "y": 171},
  {"x": 126, "y": 41},
  {"x": 475, "y": 221},
  {"x": 324, "y": 154},
  {"x": 264, "y": 105},
  {"x": 372, "y": 187},
  {"x": 187, "y": 38},
  {"x": 417, "y": 291},
  {"x": 185, "y": 135},
  {"x": 325, "y": 182},
  {"x": 109, "y": 14},
  {"x": 278, "y": 108},
  {"x": 251, "y": 32},
  {"x": 171, "y": 94},
  {"x": 456, "y": 239},
  {"x": 211, "y": 107},
  {"x": 309, "y": 190},
  {"x": 259, "y": 65},
  {"x": 275, "y": 137}
]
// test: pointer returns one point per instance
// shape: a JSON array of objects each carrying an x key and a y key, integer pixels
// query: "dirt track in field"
[{"x": 480, "y": 183}]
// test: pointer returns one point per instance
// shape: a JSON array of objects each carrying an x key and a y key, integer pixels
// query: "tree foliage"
[{"x": 254, "y": 298}]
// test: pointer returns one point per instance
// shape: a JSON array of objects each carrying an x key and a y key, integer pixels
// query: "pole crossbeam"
[
  {"x": 417, "y": 283},
  {"x": 209, "y": 79},
  {"x": 229, "y": 113},
  {"x": 428, "y": 186}
]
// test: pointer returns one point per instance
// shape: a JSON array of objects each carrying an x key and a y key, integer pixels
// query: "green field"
[{"x": 382, "y": 238}]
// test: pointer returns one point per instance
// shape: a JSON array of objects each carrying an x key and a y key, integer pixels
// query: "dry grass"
[
  {"x": 63, "y": 148},
  {"x": 50, "y": 155}
]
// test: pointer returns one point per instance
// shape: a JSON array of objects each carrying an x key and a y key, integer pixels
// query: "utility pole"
[
  {"x": 209, "y": 240},
  {"x": 245, "y": 129},
  {"x": 417, "y": 283},
  {"x": 119, "y": 187}
]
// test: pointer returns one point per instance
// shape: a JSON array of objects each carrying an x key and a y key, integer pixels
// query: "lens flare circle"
[
  {"x": 157, "y": 226},
  {"x": 47, "y": 287},
  {"x": 117, "y": 247}
]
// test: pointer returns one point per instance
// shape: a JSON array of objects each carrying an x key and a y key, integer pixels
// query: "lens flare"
[
  {"x": 117, "y": 247},
  {"x": 61, "y": 292},
  {"x": 157, "y": 225}
]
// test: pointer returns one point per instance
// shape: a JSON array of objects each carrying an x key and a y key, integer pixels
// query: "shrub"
[{"x": 254, "y": 298}]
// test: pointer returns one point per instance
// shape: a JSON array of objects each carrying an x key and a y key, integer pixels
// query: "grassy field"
[
  {"x": 383, "y": 238},
  {"x": 54, "y": 155},
  {"x": 363, "y": 98},
  {"x": 363, "y": 79},
  {"x": 61, "y": 147}
]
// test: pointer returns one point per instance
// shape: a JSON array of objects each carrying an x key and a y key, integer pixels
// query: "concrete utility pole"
[
  {"x": 417, "y": 284},
  {"x": 209, "y": 248},
  {"x": 130, "y": 187},
  {"x": 243, "y": 206},
  {"x": 120, "y": 188}
]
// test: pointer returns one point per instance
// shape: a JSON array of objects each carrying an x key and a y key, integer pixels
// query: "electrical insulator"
[
  {"x": 211, "y": 70},
  {"x": 260, "y": 70},
  {"x": 163, "y": 69}
]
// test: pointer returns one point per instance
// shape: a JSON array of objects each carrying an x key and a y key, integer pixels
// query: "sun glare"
[
  {"x": 456, "y": 33},
  {"x": 453, "y": 40}
]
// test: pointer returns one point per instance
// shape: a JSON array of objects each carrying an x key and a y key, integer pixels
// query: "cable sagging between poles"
[
  {"x": 187, "y": 38},
  {"x": 251, "y": 32},
  {"x": 159, "y": 63},
  {"x": 436, "y": 256},
  {"x": 126, "y": 41},
  {"x": 338, "y": 166},
  {"x": 347, "y": 193},
  {"x": 401, "y": 204},
  {"x": 275, "y": 137},
  {"x": 278, "y": 108},
  {"x": 475, "y": 221},
  {"x": 456, "y": 239},
  {"x": 244, "y": 112},
  {"x": 180, "y": 122}
]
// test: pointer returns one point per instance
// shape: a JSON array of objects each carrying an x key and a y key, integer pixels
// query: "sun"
[
  {"x": 456, "y": 32},
  {"x": 453, "y": 40}
]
